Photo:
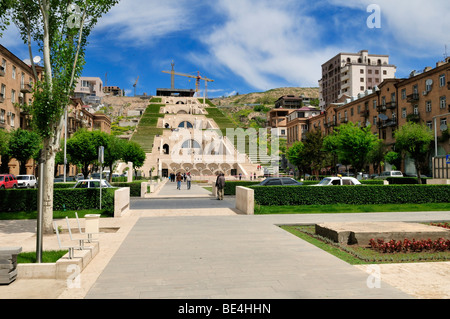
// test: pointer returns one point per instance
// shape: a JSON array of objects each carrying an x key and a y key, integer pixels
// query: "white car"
[
  {"x": 329, "y": 181},
  {"x": 92, "y": 183},
  {"x": 388, "y": 174},
  {"x": 26, "y": 181}
]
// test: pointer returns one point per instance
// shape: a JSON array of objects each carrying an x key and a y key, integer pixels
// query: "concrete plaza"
[{"x": 193, "y": 247}]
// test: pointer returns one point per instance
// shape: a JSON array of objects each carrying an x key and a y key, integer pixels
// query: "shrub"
[
  {"x": 353, "y": 195},
  {"x": 26, "y": 200},
  {"x": 230, "y": 187},
  {"x": 135, "y": 187}
]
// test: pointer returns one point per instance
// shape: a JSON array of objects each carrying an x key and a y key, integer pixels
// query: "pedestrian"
[
  {"x": 220, "y": 185},
  {"x": 179, "y": 179},
  {"x": 188, "y": 180},
  {"x": 240, "y": 176}
]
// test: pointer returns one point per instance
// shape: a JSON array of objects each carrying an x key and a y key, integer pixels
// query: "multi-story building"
[
  {"x": 16, "y": 93},
  {"x": 298, "y": 124},
  {"x": 90, "y": 90},
  {"x": 350, "y": 74},
  {"x": 113, "y": 91},
  {"x": 422, "y": 98}
]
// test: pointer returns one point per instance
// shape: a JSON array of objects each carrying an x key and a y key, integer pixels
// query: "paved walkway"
[{"x": 200, "y": 252}]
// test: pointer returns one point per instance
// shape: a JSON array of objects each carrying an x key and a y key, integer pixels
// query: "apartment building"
[
  {"x": 422, "y": 98},
  {"x": 16, "y": 91},
  {"x": 298, "y": 124},
  {"x": 349, "y": 74},
  {"x": 90, "y": 90}
]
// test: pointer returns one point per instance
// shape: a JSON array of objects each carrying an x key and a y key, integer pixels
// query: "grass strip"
[{"x": 47, "y": 257}]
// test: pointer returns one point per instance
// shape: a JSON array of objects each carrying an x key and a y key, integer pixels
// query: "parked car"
[
  {"x": 26, "y": 181},
  {"x": 280, "y": 181},
  {"x": 329, "y": 181},
  {"x": 388, "y": 174},
  {"x": 92, "y": 183},
  {"x": 8, "y": 181}
]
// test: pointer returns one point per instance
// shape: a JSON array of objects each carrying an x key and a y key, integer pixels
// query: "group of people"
[{"x": 180, "y": 178}]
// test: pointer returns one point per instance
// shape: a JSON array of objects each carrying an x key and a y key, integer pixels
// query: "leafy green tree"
[
  {"x": 330, "y": 147},
  {"x": 114, "y": 152},
  {"x": 377, "y": 155},
  {"x": 83, "y": 149},
  {"x": 296, "y": 156},
  {"x": 59, "y": 29},
  {"x": 313, "y": 152},
  {"x": 23, "y": 145},
  {"x": 415, "y": 140},
  {"x": 354, "y": 144},
  {"x": 394, "y": 158},
  {"x": 4, "y": 151},
  {"x": 135, "y": 154}
]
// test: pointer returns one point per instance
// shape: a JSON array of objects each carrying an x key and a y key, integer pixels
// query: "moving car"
[
  {"x": 8, "y": 181},
  {"x": 92, "y": 183},
  {"x": 280, "y": 181},
  {"x": 26, "y": 181},
  {"x": 329, "y": 181}
]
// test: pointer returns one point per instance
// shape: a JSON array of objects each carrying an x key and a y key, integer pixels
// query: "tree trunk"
[{"x": 49, "y": 172}]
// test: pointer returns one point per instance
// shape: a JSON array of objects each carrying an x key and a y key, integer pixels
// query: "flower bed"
[{"x": 405, "y": 246}]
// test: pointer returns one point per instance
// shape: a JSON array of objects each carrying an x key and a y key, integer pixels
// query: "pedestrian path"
[{"x": 169, "y": 190}]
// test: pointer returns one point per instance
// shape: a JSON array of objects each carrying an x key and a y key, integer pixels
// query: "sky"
[{"x": 250, "y": 46}]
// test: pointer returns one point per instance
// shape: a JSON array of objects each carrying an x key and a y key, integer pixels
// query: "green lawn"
[
  {"x": 56, "y": 214},
  {"x": 47, "y": 257},
  {"x": 339, "y": 209}
]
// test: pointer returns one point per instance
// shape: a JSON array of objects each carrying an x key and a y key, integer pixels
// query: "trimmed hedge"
[
  {"x": 135, "y": 187},
  {"x": 230, "y": 187},
  {"x": 405, "y": 180},
  {"x": 26, "y": 200},
  {"x": 356, "y": 195}
]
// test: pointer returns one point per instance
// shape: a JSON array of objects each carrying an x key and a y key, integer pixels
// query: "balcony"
[
  {"x": 413, "y": 98},
  {"x": 26, "y": 88},
  {"x": 381, "y": 108},
  {"x": 2, "y": 71},
  {"x": 413, "y": 117},
  {"x": 391, "y": 105},
  {"x": 387, "y": 123},
  {"x": 365, "y": 113}
]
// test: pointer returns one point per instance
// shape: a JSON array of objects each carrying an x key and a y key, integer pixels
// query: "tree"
[
  {"x": 394, "y": 158},
  {"x": 83, "y": 149},
  {"x": 114, "y": 152},
  {"x": 60, "y": 30},
  {"x": 23, "y": 145},
  {"x": 377, "y": 155},
  {"x": 416, "y": 140},
  {"x": 295, "y": 155},
  {"x": 134, "y": 153},
  {"x": 313, "y": 151},
  {"x": 330, "y": 147},
  {"x": 354, "y": 144},
  {"x": 4, "y": 151}
]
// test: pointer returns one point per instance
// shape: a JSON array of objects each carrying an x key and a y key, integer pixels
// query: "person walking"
[
  {"x": 179, "y": 179},
  {"x": 220, "y": 185},
  {"x": 188, "y": 180}
]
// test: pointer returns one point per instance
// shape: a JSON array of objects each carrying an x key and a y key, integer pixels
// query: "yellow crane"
[{"x": 197, "y": 77}]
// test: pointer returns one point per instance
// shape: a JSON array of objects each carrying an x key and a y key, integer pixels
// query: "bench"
[
  {"x": 8, "y": 264},
  {"x": 70, "y": 248}
]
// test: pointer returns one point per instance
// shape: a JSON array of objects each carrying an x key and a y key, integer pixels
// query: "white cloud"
[
  {"x": 266, "y": 43},
  {"x": 134, "y": 22}
]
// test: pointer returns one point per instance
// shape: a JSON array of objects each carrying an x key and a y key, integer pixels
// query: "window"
[
  {"x": 351, "y": 112},
  {"x": 404, "y": 113},
  {"x": 443, "y": 102},
  {"x": 14, "y": 72},
  {"x": 2, "y": 116},
  {"x": 384, "y": 72},
  {"x": 428, "y": 106},
  {"x": 404, "y": 94},
  {"x": 361, "y": 80},
  {"x": 4, "y": 65},
  {"x": 375, "y": 120},
  {"x": 416, "y": 110},
  {"x": 442, "y": 80},
  {"x": 12, "y": 120},
  {"x": 443, "y": 124},
  {"x": 430, "y": 125},
  {"x": 3, "y": 91},
  {"x": 274, "y": 182},
  {"x": 375, "y": 104},
  {"x": 13, "y": 96},
  {"x": 361, "y": 71}
]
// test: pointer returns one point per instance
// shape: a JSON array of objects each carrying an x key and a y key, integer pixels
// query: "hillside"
[
  {"x": 243, "y": 112},
  {"x": 265, "y": 98}
]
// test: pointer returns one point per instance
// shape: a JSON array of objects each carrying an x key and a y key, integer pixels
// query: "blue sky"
[{"x": 254, "y": 45}]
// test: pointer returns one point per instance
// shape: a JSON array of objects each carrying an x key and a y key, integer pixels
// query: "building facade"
[
  {"x": 421, "y": 98},
  {"x": 90, "y": 90},
  {"x": 350, "y": 74}
]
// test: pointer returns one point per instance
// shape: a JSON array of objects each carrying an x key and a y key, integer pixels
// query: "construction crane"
[
  {"x": 197, "y": 77},
  {"x": 135, "y": 84}
]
